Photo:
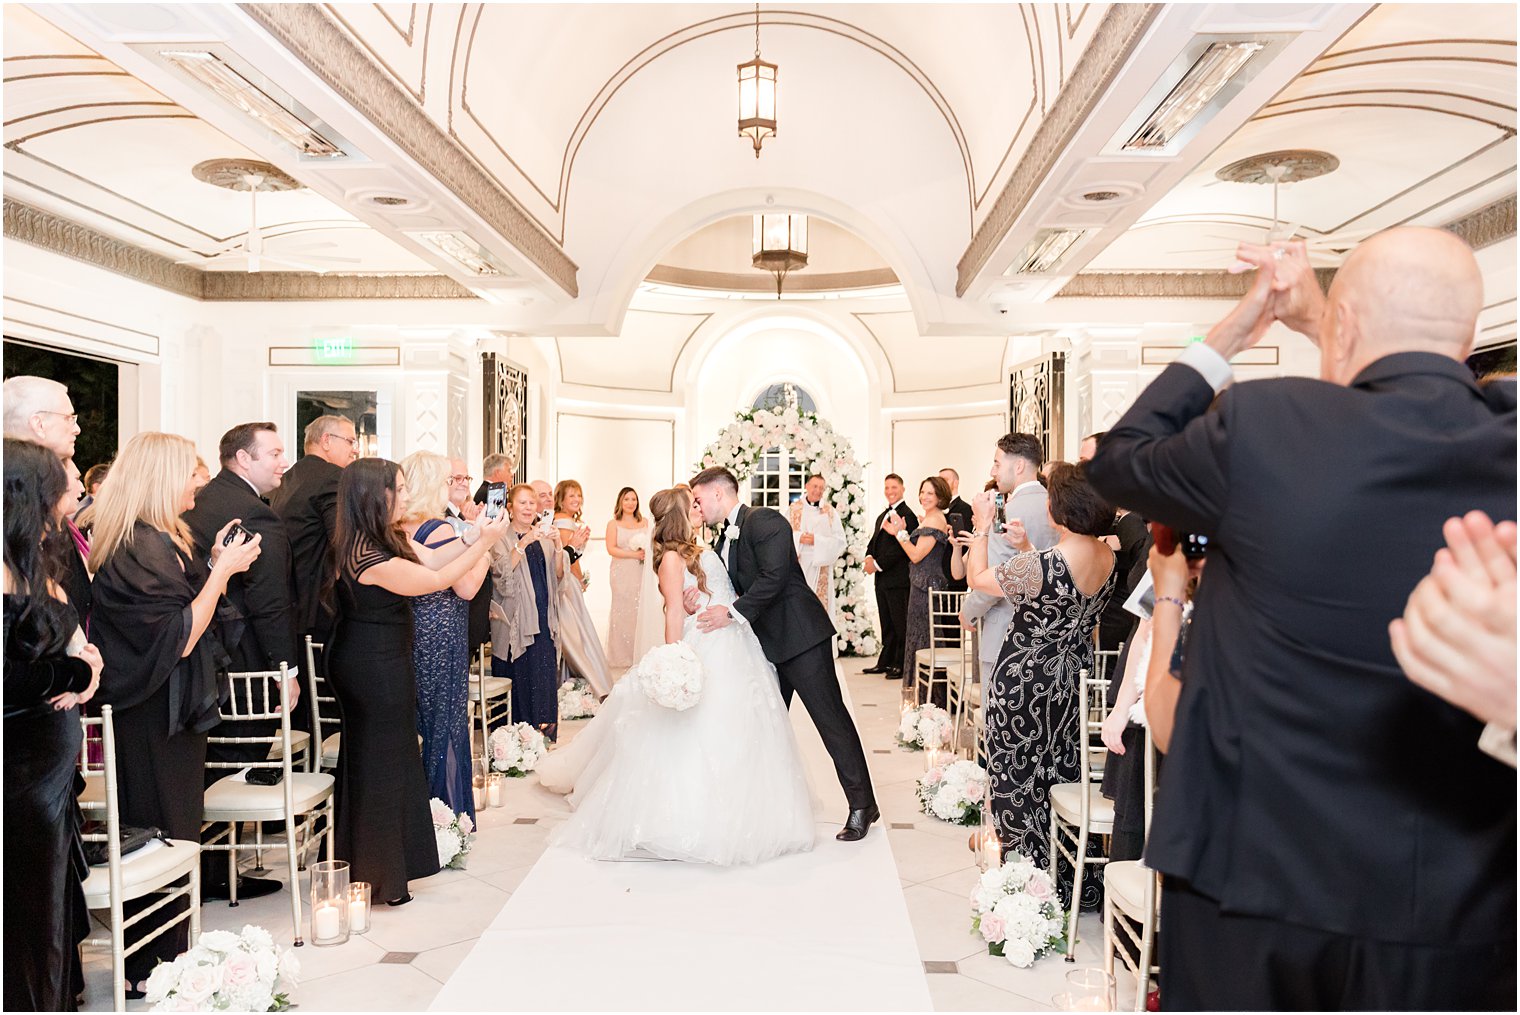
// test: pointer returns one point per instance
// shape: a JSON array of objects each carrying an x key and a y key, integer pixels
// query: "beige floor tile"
[
  {"x": 942, "y": 925},
  {"x": 381, "y": 987},
  {"x": 440, "y": 963},
  {"x": 961, "y": 993}
]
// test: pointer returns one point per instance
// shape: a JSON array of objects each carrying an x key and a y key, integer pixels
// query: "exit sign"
[{"x": 336, "y": 349}]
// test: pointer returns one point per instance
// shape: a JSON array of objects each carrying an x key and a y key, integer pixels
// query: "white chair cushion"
[
  {"x": 330, "y": 750},
  {"x": 947, "y": 661},
  {"x": 233, "y": 799},
  {"x": 298, "y": 741},
  {"x": 1124, "y": 882},
  {"x": 1066, "y": 799},
  {"x": 495, "y": 687},
  {"x": 142, "y": 871}
]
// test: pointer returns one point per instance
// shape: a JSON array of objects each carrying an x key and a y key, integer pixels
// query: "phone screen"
[{"x": 496, "y": 499}]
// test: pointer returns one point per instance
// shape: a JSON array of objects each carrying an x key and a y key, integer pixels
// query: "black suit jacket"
[
  {"x": 1308, "y": 780},
  {"x": 774, "y": 597},
  {"x": 265, "y": 593},
  {"x": 307, "y": 502},
  {"x": 888, "y": 552},
  {"x": 480, "y": 606}
]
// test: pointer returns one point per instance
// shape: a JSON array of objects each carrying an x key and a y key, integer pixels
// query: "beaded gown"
[
  {"x": 1034, "y": 708},
  {"x": 924, "y": 576},
  {"x": 441, "y": 658}
]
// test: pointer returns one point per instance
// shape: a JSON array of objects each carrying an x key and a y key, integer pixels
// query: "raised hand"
[
  {"x": 983, "y": 511},
  {"x": 1297, "y": 299},
  {"x": 1243, "y": 326}
]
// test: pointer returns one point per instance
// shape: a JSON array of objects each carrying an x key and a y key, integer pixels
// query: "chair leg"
[
  {"x": 195, "y": 904},
  {"x": 1079, "y": 863},
  {"x": 258, "y": 847},
  {"x": 1110, "y": 943},
  {"x": 295, "y": 877},
  {"x": 232, "y": 833},
  {"x": 118, "y": 956},
  {"x": 1147, "y": 947}
]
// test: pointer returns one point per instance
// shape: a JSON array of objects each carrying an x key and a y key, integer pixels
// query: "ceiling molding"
[
  {"x": 1488, "y": 225},
  {"x": 1111, "y": 45},
  {"x": 315, "y": 38},
  {"x": 70, "y": 239},
  {"x": 58, "y": 235},
  {"x": 696, "y": 278}
]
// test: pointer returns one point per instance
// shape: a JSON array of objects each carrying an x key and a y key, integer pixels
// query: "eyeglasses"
[
  {"x": 70, "y": 417},
  {"x": 353, "y": 441},
  {"x": 456, "y": 480}
]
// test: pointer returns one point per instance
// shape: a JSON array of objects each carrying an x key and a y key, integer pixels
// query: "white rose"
[
  {"x": 290, "y": 972},
  {"x": 239, "y": 969},
  {"x": 268, "y": 965},
  {"x": 198, "y": 983},
  {"x": 256, "y": 938},
  {"x": 1019, "y": 952},
  {"x": 163, "y": 979},
  {"x": 447, "y": 841},
  {"x": 442, "y": 813},
  {"x": 218, "y": 940}
]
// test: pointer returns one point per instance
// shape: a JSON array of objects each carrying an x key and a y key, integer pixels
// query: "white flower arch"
[{"x": 809, "y": 438}]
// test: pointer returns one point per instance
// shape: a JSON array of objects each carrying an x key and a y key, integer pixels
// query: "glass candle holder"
[
  {"x": 496, "y": 789},
  {"x": 480, "y": 792},
  {"x": 358, "y": 907},
  {"x": 1090, "y": 990},
  {"x": 933, "y": 758},
  {"x": 329, "y": 902}
]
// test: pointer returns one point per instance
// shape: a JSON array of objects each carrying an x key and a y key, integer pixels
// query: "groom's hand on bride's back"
[{"x": 691, "y": 599}]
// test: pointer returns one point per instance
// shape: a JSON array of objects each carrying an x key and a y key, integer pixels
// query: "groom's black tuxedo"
[{"x": 794, "y": 630}]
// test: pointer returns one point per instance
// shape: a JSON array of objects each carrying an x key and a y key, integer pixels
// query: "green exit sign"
[
  {"x": 1195, "y": 339},
  {"x": 337, "y": 349}
]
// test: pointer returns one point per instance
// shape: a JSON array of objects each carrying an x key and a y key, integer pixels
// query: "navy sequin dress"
[
  {"x": 441, "y": 657},
  {"x": 928, "y": 575},
  {"x": 535, "y": 673}
]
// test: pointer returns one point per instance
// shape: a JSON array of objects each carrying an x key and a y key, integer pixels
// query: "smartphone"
[
  {"x": 236, "y": 534},
  {"x": 496, "y": 500},
  {"x": 546, "y": 519},
  {"x": 1194, "y": 546},
  {"x": 998, "y": 500}
]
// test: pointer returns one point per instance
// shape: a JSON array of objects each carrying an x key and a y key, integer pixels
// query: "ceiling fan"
[
  {"x": 255, "y": 177},
  {"x": 1279, "y": 168}
]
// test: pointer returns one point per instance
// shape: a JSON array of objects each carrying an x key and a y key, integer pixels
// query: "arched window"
[{"x": 778, "y": 477}]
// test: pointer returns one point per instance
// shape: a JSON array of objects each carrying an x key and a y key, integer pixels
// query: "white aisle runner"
[{"x": 826, "y": 930}]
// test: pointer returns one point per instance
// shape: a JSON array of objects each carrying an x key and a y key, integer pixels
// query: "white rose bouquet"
[
  {"x": 954, "y": 792},
  {"x": 1015, "y": 909},
  {"x": 639, "y": 540},
  {"x": 516, "y": 750},
  {"x": 925, "y": 728},
  {"x": 454, "y": 834},
  {"x": 671, "y": 676},
  {"x": 224, "y": 971},
  {"x": 576, "y": 699}
]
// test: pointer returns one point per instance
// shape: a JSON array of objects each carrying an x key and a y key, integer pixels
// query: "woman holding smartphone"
[
  {"x": 385, "y": 829},
  {"x": 526, "y": 570}
]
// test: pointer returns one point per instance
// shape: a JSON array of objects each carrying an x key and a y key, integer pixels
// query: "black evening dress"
[
  {"x": 535, "y": 673},
  {"x": 1034, "y": 706},
  {"x": 164, "y": 702},
  {"x": 441, "y": 657},
  {"x": 929, "y": 574},
  {"x": 45, "y": 914},
  {"x": 385, "y": 828}
]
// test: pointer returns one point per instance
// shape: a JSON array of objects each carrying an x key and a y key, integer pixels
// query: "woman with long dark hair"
[
  {"x": 385, "y": 830},
  {"x": 49, "y": 671},
  {"x": 624, "y": 576}
]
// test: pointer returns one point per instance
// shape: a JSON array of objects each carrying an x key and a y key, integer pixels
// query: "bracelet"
[
  {"x": 902, "y": 536},
  {"x": 464, "y": 537},
  {"x": 1172, "y": 599}
]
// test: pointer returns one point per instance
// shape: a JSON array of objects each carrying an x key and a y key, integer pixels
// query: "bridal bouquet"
[
  {"x": 639, "y": 540},
  {"x": 454, "y": 834},
  {"x": 671, "y": 675},
  {"x": 954, "y": 792},
  {"x": 576, "y": 699},
  {"x": 517, "y": 749},
  {"x": 925, "y": 728},
  {"x": 1015, "y": 909},
  {"x": 226, "y": 972}
]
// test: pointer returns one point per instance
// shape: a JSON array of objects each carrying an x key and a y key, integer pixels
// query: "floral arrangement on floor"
[
  {"x": 224, "y": 971},
  {"x": 809, "y": 438},
  {"x": 454, "y": 834},
  {"x": 925, "y": 728},
  {"x": 576, "y": 699},
  {"x": 670, "y": 676},
  {"x": 954, "y": 792},
  {"x": 516, "y": 750},
  {"x": 1015, "y": 909}
]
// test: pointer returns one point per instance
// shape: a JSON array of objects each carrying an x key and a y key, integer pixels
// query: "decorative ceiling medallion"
[
  {"x": 244, "y": 175},
  {"x": 1293, "y": 165},
  {"x": 390, "y": 201}
]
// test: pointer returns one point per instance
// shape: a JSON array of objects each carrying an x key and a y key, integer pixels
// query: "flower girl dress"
[{"x": 720, "y": 783}]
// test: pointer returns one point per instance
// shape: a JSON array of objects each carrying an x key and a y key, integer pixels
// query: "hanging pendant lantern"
[
  {"x": 780, "y": 245},
  {"x": 757, "y": 95}
]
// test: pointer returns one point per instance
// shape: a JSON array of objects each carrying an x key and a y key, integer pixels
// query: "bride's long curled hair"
[{"x": 673, "y": 532}]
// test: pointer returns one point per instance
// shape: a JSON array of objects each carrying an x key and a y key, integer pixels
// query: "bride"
[{"x": 719, "y": 783}]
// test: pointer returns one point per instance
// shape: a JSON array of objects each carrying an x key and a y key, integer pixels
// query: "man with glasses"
[
  {"x": 307, "y": 502},
  {"x": 38, "y": 410}
]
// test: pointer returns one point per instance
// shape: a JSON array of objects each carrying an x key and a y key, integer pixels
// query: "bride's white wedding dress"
[{"x": 720, "y": 783}]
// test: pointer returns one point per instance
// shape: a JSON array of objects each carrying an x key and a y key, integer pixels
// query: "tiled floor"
[{"x": 409, "y": 952}]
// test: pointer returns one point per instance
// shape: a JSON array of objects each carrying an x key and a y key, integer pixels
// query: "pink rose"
[
  {"x": 1038, "y": 888},
  {"x": 934, "y": 777},
  {"x": 525, "y": 734},
  {"x": 239, "y": 969},
  {"x": 994, "y": 929},
  {"x": 465, "y": 824}
]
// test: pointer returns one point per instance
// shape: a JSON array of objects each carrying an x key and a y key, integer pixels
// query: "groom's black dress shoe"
[
  {"x": 858, "y": 824},
  {"x": 878, "y": 668}
]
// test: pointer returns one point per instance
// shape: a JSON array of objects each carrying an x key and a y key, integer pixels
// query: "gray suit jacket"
[{"x": 1028, "y": 506}]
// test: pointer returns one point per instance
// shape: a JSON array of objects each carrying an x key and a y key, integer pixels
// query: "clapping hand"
[
  {"x": 1296, "y": 300},
  {"x": 578, "y": 541},
  {"x": 893, "y": 523},
  {"x": 983, "y": 511},
  {"x": 1014, "y": 529}
]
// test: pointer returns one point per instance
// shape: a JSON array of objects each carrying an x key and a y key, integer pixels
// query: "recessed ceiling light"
[
  {"x": 1192, "y": 94},
  {"x": 463, "y": 251},
  {"x": 1046, "y": 250},
  {"x": 211, "y": 71}
]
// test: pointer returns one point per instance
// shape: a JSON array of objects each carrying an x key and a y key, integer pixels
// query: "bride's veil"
[{"x": 649, "y": 621}]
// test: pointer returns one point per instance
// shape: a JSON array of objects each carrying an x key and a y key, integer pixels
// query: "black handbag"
[
  {"x": 265, "y": 776},
  {"x": 133, "y": 838}
]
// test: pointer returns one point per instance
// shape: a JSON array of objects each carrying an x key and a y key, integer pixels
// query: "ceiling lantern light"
[
  {"x": 1046, "y": 250},
  {"x": 780, "y": 245},
  {"x": 757, "y": 96}
]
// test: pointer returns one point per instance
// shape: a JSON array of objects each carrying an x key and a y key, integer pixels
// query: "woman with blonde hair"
[
  {"x": 721, "y": 782},
  {"x": 155, "y": 622},
  {"x": 577, "y": 632},
  {"x": 441, "y": 639}
]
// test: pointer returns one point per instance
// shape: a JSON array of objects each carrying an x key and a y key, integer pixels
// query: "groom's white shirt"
[{"x": 730, "y": 531}]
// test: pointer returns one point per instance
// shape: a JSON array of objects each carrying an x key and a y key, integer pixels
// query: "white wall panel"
[{"x": 921, "y": 446}]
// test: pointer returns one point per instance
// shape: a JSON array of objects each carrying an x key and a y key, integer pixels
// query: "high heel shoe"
[{"x": 401, "y": 901}]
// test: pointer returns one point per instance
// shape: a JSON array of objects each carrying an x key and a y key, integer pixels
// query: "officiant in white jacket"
[{"x": 818, "y": 533}]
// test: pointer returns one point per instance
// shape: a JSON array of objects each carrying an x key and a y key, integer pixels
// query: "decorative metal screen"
[
  {"x": 506, "y": 412},
  {"x": 1037, "y": 402}
]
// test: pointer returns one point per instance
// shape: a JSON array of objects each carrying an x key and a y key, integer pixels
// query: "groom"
[{"x": 791, "y": 624}]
